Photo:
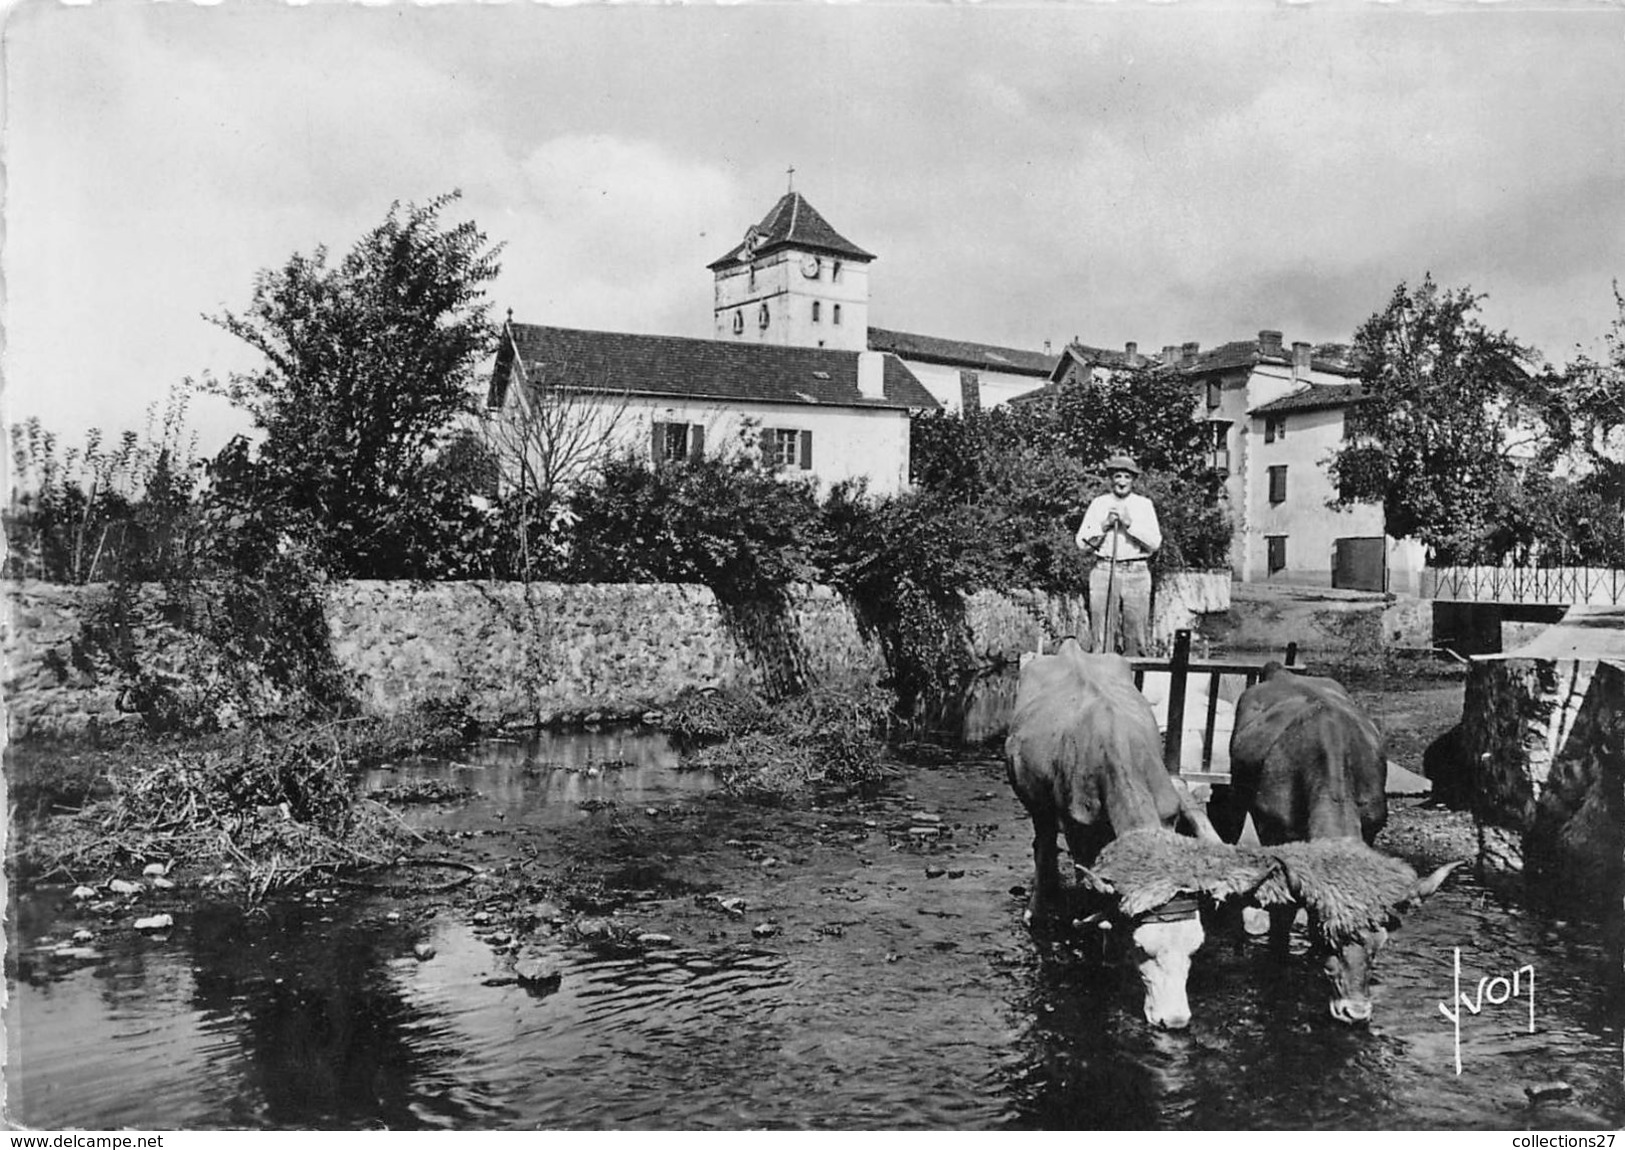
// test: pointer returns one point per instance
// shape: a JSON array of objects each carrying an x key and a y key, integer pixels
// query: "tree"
[
  {"x": 1032, "y": 467},
  {"x": 1596, "y": 393},
  {"x": 370, "y": 366},
  {"x": 1451, "y": 416},
  {"x": 545, "y": 441}
]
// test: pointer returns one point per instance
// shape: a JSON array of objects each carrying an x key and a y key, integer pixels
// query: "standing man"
[{"x": 1121, "y": 529}]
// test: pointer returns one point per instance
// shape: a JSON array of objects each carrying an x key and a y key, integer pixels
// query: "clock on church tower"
[{"x": 793, "y": 281}]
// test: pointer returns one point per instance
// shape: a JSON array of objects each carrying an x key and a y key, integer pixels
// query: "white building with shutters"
[{"x": 830, "y": 414}]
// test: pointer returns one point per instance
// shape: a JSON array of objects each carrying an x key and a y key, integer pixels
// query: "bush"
[{"x": 724, "y": 522}]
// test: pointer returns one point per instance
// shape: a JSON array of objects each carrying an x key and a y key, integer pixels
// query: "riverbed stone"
[
  {"x": 423, "y": 952},
  {"x": 124, "y": 887},
  {"x": 155, "y": 922},
  {"x": 539, "y": 973}
]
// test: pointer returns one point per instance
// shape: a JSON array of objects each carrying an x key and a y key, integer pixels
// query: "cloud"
[{"x": 616, "y": 233}]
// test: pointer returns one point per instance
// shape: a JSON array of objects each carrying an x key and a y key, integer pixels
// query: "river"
[{"x": 856, "y": 963}]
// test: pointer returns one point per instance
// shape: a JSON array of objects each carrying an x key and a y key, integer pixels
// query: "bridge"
[{"x": 1528, "y": 586}]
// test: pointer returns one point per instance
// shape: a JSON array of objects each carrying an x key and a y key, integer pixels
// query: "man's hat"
[{"x": 1122, "y": 463}]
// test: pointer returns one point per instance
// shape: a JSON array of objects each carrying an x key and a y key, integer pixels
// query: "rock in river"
[
  {"x": 539, "y": 973},
  {"x": 423, "y": 952},
  {"x": 155, "y": 922}
]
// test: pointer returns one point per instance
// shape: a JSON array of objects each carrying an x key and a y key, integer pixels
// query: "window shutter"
[
  {"x": 806, "y": 451},
  {"x": 657, "y": 441},
  {"x": 696, "y": 441},
  {"x": 770, "y": 454}
]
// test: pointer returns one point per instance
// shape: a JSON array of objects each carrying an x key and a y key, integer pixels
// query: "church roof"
[
  {"x": 960, "y": 353},
  {"x": 706, "y": 369},
  {"x": 794, "y": 222}
]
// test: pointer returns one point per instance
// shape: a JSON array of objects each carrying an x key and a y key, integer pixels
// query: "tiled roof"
[
  {"x": 960, "y": 353},
  {"x": 1313, "y": 397},
  {"x": 794, "y": 222},
  {"x": 710, "y": 369},
  {"x": 1331, "y": 358}
]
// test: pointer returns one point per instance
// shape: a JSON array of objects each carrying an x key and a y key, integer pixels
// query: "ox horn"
[
  {"x": 1426, "y": 886},
  {"x": 1194, "y": 814},
  {"x": 1093, "y": 881}
]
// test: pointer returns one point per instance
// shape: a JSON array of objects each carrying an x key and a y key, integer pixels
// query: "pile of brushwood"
[
  {"x": 821, "y": 737},
  {"x": 251, "y": 813}
]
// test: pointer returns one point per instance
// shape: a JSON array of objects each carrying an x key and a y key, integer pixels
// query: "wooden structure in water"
[{"x": 1179, "y": 666}]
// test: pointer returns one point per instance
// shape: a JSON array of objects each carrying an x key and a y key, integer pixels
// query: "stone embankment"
[{"x": 514, "y": 654}]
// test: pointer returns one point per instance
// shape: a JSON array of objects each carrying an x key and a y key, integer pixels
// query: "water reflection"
[{"x": 550, "y": 778}]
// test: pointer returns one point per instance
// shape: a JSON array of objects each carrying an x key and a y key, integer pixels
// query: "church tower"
[{"x": 793, "y": 281}]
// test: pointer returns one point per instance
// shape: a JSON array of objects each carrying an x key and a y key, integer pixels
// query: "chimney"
[
  {"x": 1170, "y": 354},
  {"x": 1131, "y": 353},
  {"x": 872, "y": 374},
  {"x": 1187, "y": 353},
  {"x": 1046, "y": 348},
  {"x": 1300, "y": 359},
  {"x": 970, "y": 392},
  {"x": 1269, "y": 343}
]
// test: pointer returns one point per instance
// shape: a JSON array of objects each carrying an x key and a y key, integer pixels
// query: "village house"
[{"x": 1277, "y": 414}]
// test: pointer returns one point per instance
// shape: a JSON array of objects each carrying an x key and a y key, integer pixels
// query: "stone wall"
[
  {"x": 548, "y": 652},
  {"x": 1547, "y": 739},
  {"x": 516, "y": 654}
]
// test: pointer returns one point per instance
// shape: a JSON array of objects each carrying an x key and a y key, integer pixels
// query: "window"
[
  {"x": 739, "y": 322},
  {"x": 762, "y": 316},
  {"x": 1278, "y": 483},
  {"x": 816, "y": 307},
  {"x": 1274, "y": 428},
  {"x": 1215, "y": 392},
  {"x": 1219, "y": 444},
  {"x": 835, "y": 313},
  {"x": 673, "y": 442},
  {"x": 1275, "y": 558},
  {"x": 787, "y": 447},
  {"x": 835, "y": 271}
]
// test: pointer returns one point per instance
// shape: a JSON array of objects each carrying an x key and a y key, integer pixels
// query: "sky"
[{"x": 1114, "y": 172}]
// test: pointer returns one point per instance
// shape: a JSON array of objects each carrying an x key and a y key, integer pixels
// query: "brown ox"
[
  {"x": 1311, "y": 768},
  {"x": 1085, "y": 758}
]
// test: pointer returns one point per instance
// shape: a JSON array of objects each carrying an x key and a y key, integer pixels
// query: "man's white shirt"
[{"x": 1143, "y": 527}]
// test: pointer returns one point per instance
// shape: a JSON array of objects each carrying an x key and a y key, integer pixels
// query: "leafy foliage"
[
  {"x": 105, "y": 510},
  {"x": 724, "y": 522},
  {"x": 370, "y": 364},
  {"x": 904, "y": 565},
  {"x": 1033, "y": 467},
  {"x": 1432, "y": 442}
]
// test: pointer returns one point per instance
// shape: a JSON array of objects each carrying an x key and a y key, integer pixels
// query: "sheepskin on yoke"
[
  {"x": 1147, "y": 868},
  {"x": 1347, "y": 887}
]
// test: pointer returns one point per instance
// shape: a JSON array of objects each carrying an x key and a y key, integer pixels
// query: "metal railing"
[{"x": 1553, "y": 586}]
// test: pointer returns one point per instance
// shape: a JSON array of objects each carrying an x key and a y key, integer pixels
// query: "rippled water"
[{"x": 900, "y": 990}]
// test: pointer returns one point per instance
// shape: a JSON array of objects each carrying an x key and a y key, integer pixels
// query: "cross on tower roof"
[{"x": 791, "y": 172}]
